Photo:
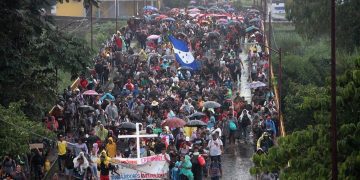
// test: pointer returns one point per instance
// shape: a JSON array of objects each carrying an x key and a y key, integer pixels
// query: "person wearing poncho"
[
  {"x": 186, "y": 168},
  {"x": 111, "y": 148},
  {"x": 104, "y": 166},
  {"x": 80, "y": 165}
]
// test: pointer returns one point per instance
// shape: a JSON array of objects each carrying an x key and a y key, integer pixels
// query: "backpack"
[
  {"x": 245, "y": 121},
  {"x": 232, "y": 126},
  {"x": 201, "y": 160}
]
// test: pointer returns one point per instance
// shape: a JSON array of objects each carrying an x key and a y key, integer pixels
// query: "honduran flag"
[{"x": 182, "y": 53}]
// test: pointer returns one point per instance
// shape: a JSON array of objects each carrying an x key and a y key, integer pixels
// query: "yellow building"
[
  {"x": 107, "y": 8},
  {"x": 72, "y": 8}
]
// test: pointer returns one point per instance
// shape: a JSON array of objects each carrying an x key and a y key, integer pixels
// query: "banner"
[{"x": 151, "y": 167}]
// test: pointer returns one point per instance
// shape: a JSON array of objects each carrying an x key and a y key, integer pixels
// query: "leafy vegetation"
[
  {"x": 31, "y": 51},
  {"x": 176, "y": 4},
  {"x": 18, "y": 129},
  {"x": 305, "y": 154},
  {"x": 312, "y": 19}
]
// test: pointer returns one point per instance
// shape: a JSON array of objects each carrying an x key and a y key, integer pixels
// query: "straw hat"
[{"x": 154, "y": 103}]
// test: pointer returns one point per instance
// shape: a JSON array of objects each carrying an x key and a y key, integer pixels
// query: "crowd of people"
[{"x": 136, "y": 79}]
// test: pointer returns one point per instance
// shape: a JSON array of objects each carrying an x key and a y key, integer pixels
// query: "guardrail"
[
  {"x": 275, "y": 88},
  {"x": 53, "y": 168}
]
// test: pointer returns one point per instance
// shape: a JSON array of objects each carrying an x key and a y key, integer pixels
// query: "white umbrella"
[
  {"x": 256, "y": 84},
  {"x": 153, "y": 37}
]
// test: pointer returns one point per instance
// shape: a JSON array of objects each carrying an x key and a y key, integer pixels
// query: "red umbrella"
[{"x": 173, "y": 122}]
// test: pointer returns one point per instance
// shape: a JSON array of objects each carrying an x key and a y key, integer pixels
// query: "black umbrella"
[
  {"x": 86, "y": 108},
  {"x": 196, "y": 115},
  {"x": 211, "y": 104},
  {"x": 213, "y": 34},
  {"x": 195, "y": 123},
  {"x": 135, "y": 117},
  {"x": 127, "y": 126}
]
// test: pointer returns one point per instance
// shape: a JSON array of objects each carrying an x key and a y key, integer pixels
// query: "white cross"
[{"x": 138, "y": 136}]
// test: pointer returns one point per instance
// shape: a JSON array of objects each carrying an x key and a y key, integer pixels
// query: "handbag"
[{"x": 201, "y": 160}]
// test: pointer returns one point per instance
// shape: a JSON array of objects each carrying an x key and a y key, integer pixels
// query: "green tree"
[
  {"x": 305, "y": 154},
  {"x": 32, "y": 50},
  {"x": 18, "y": 130},
  {"x": 176, "y": 4},
  {"x": 312, "y": 19}
]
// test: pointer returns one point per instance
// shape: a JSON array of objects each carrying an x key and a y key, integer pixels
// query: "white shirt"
[{"x": 215, "y": 147}]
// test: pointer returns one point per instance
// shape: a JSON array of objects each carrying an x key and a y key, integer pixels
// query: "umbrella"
[
  {"x": 168, "y": 19},
  {"x": 254, "y": 10},
  {"x": 173, "y": 122},
  {"x": 133, "y": 56},
  {"x": 211, "y": 104},
  {"x": 196, "y": 114},
  {"x": 153, "y": 54},
  {"x": 256, "y": 84},
  {"x": 222, "y": 21},
  {"x": 230, "y": 9},
  {"x": 150, "y": 8},
  {"x": 154, "y": 15},
  {"x": 127, "y": 126},
  {"x": 234, "y": 22},
  {"x": 86, "y": 108},
  {"x": 194, "y": 10},
  {"x": 195, "y": 123},
  {"x": 135, "y": 117},
  {"x": 251, "y": 28},
  {"x": 201, "y": 7},
  {"x": 175, "y": 10},
  {"x": 91, "y": 93},
  {"x": 168, "y": 57},
  {"x": 152, "y": 37},
  {"x": 185, "y": 68},
  {"x": 213, "y": 34},
  {"x": 107, "y": 96},
  {"x": 255, "y": 20},
  {"x": 160, "y": 17}
]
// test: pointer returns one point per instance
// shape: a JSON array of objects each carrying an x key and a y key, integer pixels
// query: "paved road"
[{"x": 236, "y": 164}]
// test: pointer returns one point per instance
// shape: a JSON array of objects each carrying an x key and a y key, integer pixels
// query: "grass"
[{"x": 247, "y": 2}]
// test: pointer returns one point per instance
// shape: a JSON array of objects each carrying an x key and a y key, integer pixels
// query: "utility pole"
[
  {"x": 269, "y": 44},
  {"x": 280, "y": 81},
  {"x": 116, "y": 15},
  {"x": 333, "y": 134},
  {"x": 91, "y": 26},
  {"x": 134, "y": 4}
]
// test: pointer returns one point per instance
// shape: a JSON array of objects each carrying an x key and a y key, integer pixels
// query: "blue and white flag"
[{"x": 182, "y": 53}]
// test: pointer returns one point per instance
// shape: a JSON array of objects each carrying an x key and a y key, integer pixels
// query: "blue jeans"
[{"x": 94, "y": 172}]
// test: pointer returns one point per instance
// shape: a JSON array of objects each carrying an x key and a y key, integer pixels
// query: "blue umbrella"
[
  {"x": 255, "y": 20},
  {"x": 106, "y": 96},
  {"x": 230, "y": 9},
  {"x": 151, "y": 8},
  {"x": 251, "y": 28},
  {"x": 168, "y": 19}
]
